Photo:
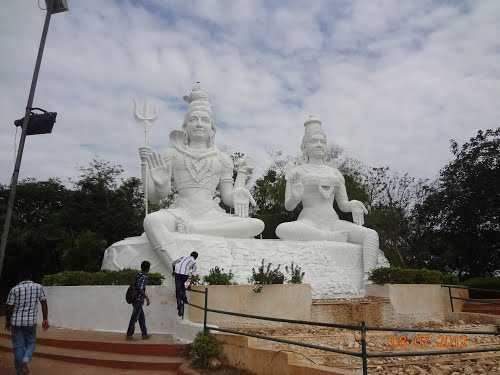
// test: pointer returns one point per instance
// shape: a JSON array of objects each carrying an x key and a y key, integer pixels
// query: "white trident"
[{"x": 146, "y": 115}]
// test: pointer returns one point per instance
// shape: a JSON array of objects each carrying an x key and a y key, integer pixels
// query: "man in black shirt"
[{"x": 141, "y": 280}]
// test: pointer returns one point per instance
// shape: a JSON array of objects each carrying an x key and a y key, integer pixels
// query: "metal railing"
[
  {"x": 450, "y": 287},
  {"x": 363, "y": 354}
]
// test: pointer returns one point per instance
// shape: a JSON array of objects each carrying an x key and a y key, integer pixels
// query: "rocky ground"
[{"x": 450, "y": 364}]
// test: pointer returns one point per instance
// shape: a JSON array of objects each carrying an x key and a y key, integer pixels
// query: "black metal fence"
[{"x": 363, "y": 354}]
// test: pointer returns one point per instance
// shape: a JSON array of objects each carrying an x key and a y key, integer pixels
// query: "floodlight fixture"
[
  {"x": 38, "y": 123},
  {"x": 56, "y": 6}
]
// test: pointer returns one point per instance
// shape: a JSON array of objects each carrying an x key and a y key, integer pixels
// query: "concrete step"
[
  {"x": 113, "y": 343},
  {"x": 131, "y": 361},
  {"x": 43, "y": 366},
  {"x": 483, "y": 306}
]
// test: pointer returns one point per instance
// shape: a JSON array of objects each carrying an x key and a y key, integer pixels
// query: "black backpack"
[{"x": 131, "y": 293}]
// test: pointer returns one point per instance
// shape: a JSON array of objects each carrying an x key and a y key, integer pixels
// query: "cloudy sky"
[{"x": 392, "y": 80}]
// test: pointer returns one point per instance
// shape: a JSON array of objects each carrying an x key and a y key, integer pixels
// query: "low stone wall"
[
  {"x": 349, "y": 311},
  {"x": 412, "y": 303},
  {"x": 244, "y": 352},
  {"x": 290, "y": 301},
  {"x": 104, "y": 308}
]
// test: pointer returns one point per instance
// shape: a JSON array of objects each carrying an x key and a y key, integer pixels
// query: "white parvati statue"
[
  {"x": 195, "y": 169},
  {"x": 317, "y": 184}
]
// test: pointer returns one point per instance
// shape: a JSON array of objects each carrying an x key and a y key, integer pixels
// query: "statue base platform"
[{"x": 333, "y": 269}]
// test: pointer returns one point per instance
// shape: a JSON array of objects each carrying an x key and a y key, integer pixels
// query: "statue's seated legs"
[
  {"x": 230, "y": 227},
  {"x": 341, "y": 231},
  {"x": 366, "y": 237},
  {"x": 159, "y": 224},
  {"x": 304, "y": 230}
]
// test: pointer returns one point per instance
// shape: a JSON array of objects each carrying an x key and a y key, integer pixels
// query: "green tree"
[
  {"x": 456, "y": 227},
  {"x": 56, "y": 228},
  {"x": 37, "y": 225},
  {"x": 391, "y": 199},
  {"x": 84, "y": 251},
  {"x": 104, "y": 204},
  {"x": 269, "y": 194}
]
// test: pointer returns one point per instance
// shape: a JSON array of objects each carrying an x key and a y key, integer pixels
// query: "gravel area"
[{"x": 451, "y": 364}]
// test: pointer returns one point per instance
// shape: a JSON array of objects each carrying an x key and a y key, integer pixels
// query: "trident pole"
[
  {"x": 146, "y": 171},
  {"x": 22, "y": 140},
  {"x": 145, "y": 116}
]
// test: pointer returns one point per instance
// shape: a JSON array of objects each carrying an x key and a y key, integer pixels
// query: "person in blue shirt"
[{"x": 141, "y": 280}]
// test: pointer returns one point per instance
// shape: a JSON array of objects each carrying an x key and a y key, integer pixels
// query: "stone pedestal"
[{"x": 333, "y": 269}]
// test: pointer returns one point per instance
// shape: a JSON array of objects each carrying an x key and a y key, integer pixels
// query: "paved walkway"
[
  {"x": 42, "y": 366},
  {"x": 99, "y": 336}
]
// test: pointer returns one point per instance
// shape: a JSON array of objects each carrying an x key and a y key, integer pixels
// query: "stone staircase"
[
  {"x": 107, "y": 350},
  {"x": 482, "y": 306}
]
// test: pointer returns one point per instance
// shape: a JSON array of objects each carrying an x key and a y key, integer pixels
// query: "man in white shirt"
[
  {"x": 182, "y": 268},
  {"x": 21, "y": 319}
]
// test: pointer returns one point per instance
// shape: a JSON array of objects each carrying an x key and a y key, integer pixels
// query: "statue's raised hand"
[
  {"x": 241, "y": 199},
  {"x": 296, "y": 187},
  {"x": 359, "y": 211},
  {"x": 158, "y": 167}
]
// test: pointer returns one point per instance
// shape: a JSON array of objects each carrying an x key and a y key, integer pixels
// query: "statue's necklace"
[
  {"x": 199, "y": 165},
  {"x": 320, "y": 172}
]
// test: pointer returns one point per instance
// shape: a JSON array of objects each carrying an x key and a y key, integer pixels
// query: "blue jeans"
[
  {"x": 23, "y": 344},
  {"x": 180, "y": 292},
  {"x": 137, "y": 315}
]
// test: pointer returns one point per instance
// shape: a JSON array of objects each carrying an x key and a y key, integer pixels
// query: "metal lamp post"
[{"x": 53, "y": 6}]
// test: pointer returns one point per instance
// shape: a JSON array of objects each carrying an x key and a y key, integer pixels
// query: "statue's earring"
[
  {"x": 186, "y": 138},
  {"x": 305, "y": 158}
]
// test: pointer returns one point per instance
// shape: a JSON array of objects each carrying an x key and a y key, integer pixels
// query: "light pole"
[{"x": 53, "y": 6}]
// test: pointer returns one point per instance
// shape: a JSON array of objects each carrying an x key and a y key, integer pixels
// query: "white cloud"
[{"x": 393, "y": 81}]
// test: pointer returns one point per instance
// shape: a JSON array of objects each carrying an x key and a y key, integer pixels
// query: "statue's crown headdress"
[
  {"x": 198, "y": 99},
  {"x": 312, "y": 125}
]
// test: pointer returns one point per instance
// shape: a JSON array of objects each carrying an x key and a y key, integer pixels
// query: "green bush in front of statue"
[
  {"x": 217, "y": 276},
  {"x": 74, "y": 278},
  {"x": 204, "y": 350},
  {"x": 396, "y": 275}
]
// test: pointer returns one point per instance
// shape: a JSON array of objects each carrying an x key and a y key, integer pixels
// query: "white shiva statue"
[
  {"x": 316, "y": 183},
  {"x": 196, "y": 170}
]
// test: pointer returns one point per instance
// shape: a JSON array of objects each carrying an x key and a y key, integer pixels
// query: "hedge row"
[
  {"x": 395, "y": 275},
  {"x": 72, "y": 278},
  {"x": 484, "y": 283}
]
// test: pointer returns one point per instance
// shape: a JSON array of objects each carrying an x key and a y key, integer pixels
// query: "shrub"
[
  {"x": 296, "y": 274},
  {"x": 204, "y": 347},
  {"x": 265, "y": 276},
  {"x": 217, "y": 276},
  {"x": 449, "y": 278},
  {"x": 194, "y": 280},
  {"x": 123, "y": 277},
  {"x": 395, "y": 275},
  {"x": 484, "y": 283}
]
